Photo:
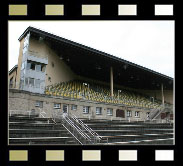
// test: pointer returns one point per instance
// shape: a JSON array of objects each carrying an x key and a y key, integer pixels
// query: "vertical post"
[
  {"x": 118, "y": 95},
  {"x": 111, "y": 80},
  {"x": 89, "y": 91},
  {"x": 162, "y": 93}
]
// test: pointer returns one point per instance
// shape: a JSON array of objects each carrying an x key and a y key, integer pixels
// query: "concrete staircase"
[
  {"x": 121, "y": 133},
  {"x": 33, "y": 130}
]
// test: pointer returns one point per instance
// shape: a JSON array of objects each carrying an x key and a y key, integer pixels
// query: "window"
[
  {"x": 73, "y": 107},
  {"x": 39, "y": 104},
  {"x": 56, "y": 105},
  {"x": 109, "y": 111},
  {"x": 137, "y": 114},
  {"x": 129, "y": 113},
  {"x": 26, "y": 81},
  {"x": 86, "y": 109},
  {"x": 35, "y": 66},
  {"x": 148, "y": 113},
  {"x": 37, "y": 83},
  {"x": 38, "y": 67},
  {"x": 98, "y": 110},
  {"x": 31, "y": 82},
  {"x": 65, "y": 108},
  {"x": 32, "y": 67},
  {"x": 11, "y": 82}
]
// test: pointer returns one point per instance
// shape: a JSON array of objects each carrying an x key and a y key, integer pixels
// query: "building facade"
[{"x": 43, "y": 62}]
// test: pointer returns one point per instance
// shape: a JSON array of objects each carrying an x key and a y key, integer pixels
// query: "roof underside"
[{"x": 94, "y": 64}]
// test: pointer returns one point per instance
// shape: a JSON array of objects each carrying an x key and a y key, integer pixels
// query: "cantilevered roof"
[{"x": 94, "y": 64}]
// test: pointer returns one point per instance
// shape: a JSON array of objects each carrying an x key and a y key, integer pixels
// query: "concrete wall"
[
  {"x": 38, "y": 48},
  {"x": 60, "y": 72},
  {"x": 25, "y": 101},
  {"x": 19, "y": 63}
]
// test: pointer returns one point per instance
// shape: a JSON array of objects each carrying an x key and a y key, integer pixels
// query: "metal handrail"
[
  {"x": 72, "y": 134},
  {"x": 19, "y": 111},
  {"x": 42, "y": 113},
  {"x": 83, "y": 125},
  {"x": 86, "y": 127},
  {"x": 76, "y": 129}
]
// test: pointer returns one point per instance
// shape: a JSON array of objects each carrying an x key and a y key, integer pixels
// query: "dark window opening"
[
  {"x": 11, "y": 82},
  {"x": 36, "y": 66},
  {"x": 32, "y": 67},
  {"x": 120, "y": 113}
]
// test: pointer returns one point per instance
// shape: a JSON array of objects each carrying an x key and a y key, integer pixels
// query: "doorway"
[
  {"x": 120, "y": 113},
  {"x": 65, "y": 108}
]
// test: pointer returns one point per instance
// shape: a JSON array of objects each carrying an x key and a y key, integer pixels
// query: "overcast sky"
[{"x": 146, "y": 43}]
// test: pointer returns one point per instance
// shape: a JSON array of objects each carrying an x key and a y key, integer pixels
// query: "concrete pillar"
[
  {"x": 111, "y": 80},
  {"x": 162, "y": 93}
]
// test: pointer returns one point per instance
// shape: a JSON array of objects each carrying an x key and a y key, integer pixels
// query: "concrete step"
[
  {"x": 16, "y": 133},
  {"x": 40, "y": 140},
  {"x": 22, "y": 125},
  {"x": 41, "y": 131},
  {"x": 130, "y": 132},
  {"x": 128, "y": 138},
  {"x": 138, "y": 128},
  {"x": 109, "y": 122},
  {"x": 31, "y": 120},
  {"x": 167, "y": 141},
  {"x": 25, "y": 116}
]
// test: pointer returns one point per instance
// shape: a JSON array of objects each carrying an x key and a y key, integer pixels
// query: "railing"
[
  {"x": 155, "y": 113},
  {"x": 19, "y": 112},
  {"x": 79, "y": 130},
  {"x": 42, "y": 113},
  {"x": 87, "y": 129}
]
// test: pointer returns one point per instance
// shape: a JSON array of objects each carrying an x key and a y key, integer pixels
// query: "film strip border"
[
  {"x": 96, "y": 10},
  {"x": 102, "y": 156}
]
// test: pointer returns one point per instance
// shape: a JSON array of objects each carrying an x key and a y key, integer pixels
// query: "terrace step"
[
  {"x": 41, "y": 140},
  {"x": 34, "y": 130}
]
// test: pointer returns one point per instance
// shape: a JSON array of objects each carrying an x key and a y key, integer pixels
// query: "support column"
[
  {"x": 111, "y": 80},
  {"x": 162, "y": 93}
]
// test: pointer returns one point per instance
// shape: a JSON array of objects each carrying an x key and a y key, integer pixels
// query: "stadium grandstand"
[{"x": 62, "y": 92}]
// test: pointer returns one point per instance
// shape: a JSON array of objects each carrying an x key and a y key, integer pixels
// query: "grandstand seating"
[{"x": 100, "y": 93}]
